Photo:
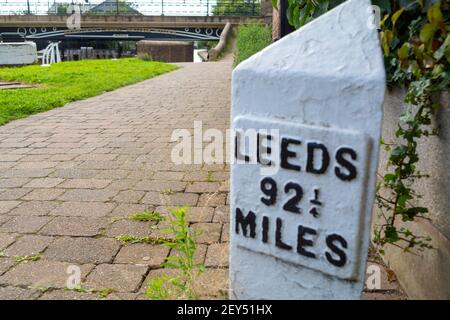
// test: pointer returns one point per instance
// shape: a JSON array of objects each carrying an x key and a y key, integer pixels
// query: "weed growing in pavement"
[
  {"x": 184, "y": 245},
  {"x": 147, "y": 216},
  {"x": 34, "y": 257},
  {"x": 127, "y": 238}
]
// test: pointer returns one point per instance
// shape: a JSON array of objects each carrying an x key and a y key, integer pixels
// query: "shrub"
[{"x": 251, "y": 38}]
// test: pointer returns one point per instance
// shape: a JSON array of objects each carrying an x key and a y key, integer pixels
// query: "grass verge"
[
  {"x": 251, "y": 38},
  {"x": 69, "y": 81}
]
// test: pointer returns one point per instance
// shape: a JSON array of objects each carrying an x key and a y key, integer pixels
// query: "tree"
[{"x": 236, "y": 8}]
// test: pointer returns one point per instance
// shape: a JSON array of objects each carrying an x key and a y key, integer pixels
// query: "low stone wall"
[
  {"x": 426, "y": 275},
  {"x": 166, "y": 51},
  {"x": 18, "y": 53}
]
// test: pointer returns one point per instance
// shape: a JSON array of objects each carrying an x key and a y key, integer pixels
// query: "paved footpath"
[{"x": 69, "y": 178}]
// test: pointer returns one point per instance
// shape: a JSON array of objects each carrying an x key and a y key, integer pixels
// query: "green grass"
[
  {"x": 69, "y": 81},
  {"x": 251, "y": 38}
]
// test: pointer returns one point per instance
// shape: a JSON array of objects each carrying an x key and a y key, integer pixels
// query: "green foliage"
[
  {"x": 104, "y": 293},
  {"x": 164, "y": 287},
  {"x": 416, "y": 43},
  {"x": 205, "y": 44},
  {"x": 34, "y": 257},
  {"x": 251, "y": 38},
  {"x": 167, "y": 192},
  {"x": 127, "y": 238},
  {"x": 184, "y": 246},
  {"x": 147, "y": 216},
  {"x": 300, "y": 12},
  {"x": 236, "y": 8},
  {"x": 60, "y": 9},
  {"x": 69, "y": 81},
  {"x": 80, "y": 289}
]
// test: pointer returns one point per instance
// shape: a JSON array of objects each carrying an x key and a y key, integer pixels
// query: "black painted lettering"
[
  {"x": 269, "y": 188},
  {"x": 245, "y": 222},
  {"x": 311, "y": 165},
  {"x": 331, "y": 239},
  {"x": 265, "y": 229},
  {"x": 263, "y": 149},
  {"x": 285, "y": 154},
  {"x": 292, "y": 204},
  {"x": 279, "y": 236},
  {"x": 350, "y": 167},
  {"x": 237, "y": 151},
  {"x": 302, "y": 242}
]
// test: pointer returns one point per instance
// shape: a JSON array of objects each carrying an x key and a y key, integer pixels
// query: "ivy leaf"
[
  {"x": 411, "y": 213},
  {"x": 435, "y": 14},
  {"x": 391, "y": 234},
  {"x": 386, "y": 39},
  {"x": 403, "y": 53},
  {"x": 444, "y": 50},
  {"x": 395, "y": 17},
  {"x": 403, "y": 198},
  {"x": 427, "y": 34},
  {"x": 407, "y": 117},
  {"x": 295, "y": 17},
  {"x": 389, "y": 178},
  {"x": 398, "y": 153}
]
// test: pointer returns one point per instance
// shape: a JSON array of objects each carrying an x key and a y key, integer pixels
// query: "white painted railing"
[{"x": 51, "y": 54}]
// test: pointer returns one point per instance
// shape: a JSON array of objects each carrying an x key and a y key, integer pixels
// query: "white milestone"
[{"x": 307, "y": 112}]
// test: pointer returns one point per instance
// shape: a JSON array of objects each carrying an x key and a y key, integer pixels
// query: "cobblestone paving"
[{"x": 70, "y": 177}]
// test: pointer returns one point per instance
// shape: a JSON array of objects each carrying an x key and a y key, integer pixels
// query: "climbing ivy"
[{"x": 415, "y": 40}]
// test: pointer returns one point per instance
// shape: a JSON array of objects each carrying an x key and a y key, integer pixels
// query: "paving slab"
[
  {"x": 6, "y": 264},
  {"x": 119, "y": 277},
  {"x": 217, "y": 255},
  {"x": 68, "y": 295},
  {"x": 142, "y": 254},
  {"x": 129, "y": 227},
  {"x": 34, "y": 208},
  {"x": 16, "y": 293},
  {"x": 6, "y": 239},
  {"x": 171, "y": 199},
  {"x": 23, "y": 224},
  {"x": 28, "y": 245},
  {"x": 82, "y": 250},
  {"x": 6, "y": 206},
  {"x": 41, "y": 273},
  {"x": 74, "y": 226},
  {"x": 208, "y": 232},
  {"x": 83, "y": 209}
]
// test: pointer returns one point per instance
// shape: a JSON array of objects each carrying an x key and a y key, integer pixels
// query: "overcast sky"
[{"x": 148, "y": 7}]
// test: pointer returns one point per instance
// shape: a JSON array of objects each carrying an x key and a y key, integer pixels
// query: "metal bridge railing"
[{"x": 136, "y": 7}]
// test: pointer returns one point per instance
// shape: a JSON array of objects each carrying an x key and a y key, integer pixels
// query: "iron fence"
[{"x": 137, "y": 7}]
